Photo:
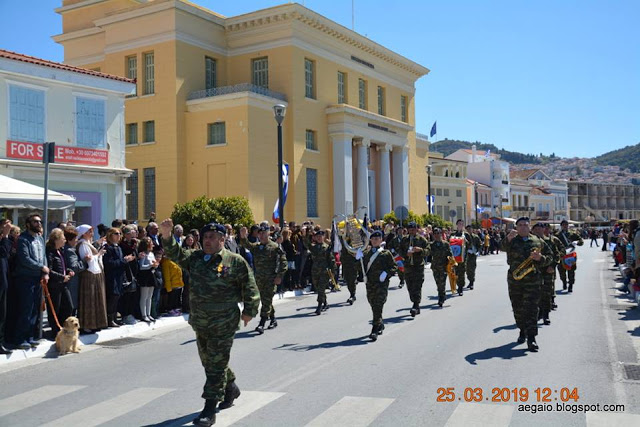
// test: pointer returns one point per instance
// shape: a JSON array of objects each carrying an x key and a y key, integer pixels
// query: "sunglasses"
[{"x": 36, "y": 221}]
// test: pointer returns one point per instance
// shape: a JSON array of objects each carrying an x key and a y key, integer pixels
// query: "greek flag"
[
  {"x": 434, "y": 129},
  {"x": 285, "y": 183}
]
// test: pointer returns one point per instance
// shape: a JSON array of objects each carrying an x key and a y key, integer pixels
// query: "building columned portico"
[{"x": 370, "y": 161}]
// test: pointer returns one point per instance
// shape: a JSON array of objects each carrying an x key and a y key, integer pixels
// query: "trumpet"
[
  {"x": 451, "y": 272},
  {"x": 525, "y": 267}
]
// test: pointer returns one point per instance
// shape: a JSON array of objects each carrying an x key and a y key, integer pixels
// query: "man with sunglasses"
[{"x": 31, "y": 266}]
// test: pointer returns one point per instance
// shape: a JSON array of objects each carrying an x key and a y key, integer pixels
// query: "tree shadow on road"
[
  {"x": 505, "y": 327},
  {"x": 506, "y": 352},
  {"x": 180, "y": 421},
  {"x": 363, "y": 340}
]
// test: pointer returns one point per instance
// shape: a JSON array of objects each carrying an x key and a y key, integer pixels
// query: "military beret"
[
  {"x": 547, "y": 225},
  {"x": 538, "y": 224},
  {"x": 213, "y": 227},
  {"x": 412, "y": 225},
  {"x": 522, "y": 218},
  {"x": 459, "y": 221},
  {"x": 437, "y": 230},
  {"x": 564, "y": 221},
  {"x": 264, "y": 228},
  {"x": 376, "y": 233},
  {"x": 319, "y": 233}
]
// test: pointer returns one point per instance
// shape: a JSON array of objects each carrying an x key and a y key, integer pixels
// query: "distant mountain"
[
  {"x": 627, "y": 157},
  {"x": 448, "y": 146}
]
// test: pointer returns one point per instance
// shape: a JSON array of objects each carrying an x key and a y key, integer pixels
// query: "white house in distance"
[{"x": 82, "y": 111}]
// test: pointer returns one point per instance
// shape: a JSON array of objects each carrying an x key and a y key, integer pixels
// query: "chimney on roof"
[{"x": 474, "y": 153}]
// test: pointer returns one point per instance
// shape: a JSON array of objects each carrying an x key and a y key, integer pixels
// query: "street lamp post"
[
  {"x": 429, "y": 186},
  {"x": 501, "y": 213},
  {"x": 475, "y": 198},
  {"x": 279, "y": 111}
]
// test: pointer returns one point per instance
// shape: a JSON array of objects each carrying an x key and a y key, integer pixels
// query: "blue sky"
[{"x": 544, "y": 76}]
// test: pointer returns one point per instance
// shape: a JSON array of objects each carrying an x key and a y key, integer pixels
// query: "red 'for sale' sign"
[{"x": 64, "y": 153}]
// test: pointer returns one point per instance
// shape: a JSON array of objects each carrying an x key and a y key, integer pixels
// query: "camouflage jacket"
[
  {"x": 383, "y": 262},
  {"x": 519, "y": 249},
  {"x": 217, "y": 285},
  {"x": 346, "y": 258},
  {"x": 440, "y": 253},
  {"x": 567, "y": 237},
  {"x": 416, "y": 241},
  {"x": 269, "y": 260},
  {"x": 559, "y": 247},
  {"x": 322, "y": 258},
  {"x": 555, "y": 246},
  {"x": 475, "y": 243}
]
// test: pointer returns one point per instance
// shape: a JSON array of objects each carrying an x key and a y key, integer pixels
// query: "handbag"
[{"x": 130, "y": 286}]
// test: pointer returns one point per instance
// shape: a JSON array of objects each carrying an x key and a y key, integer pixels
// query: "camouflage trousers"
[
  {"x": 401, "y": 276},
  {"x": 440, "y": 276},
  {"x": 564, "y": 273},
  {"x": 214, "y": 354},
  {"x": 350, "y": 274},
  {"x": 377, "y": 296},
  {"x": 471, "y": 267},
  {"x": 461, "y": 269},
  {"x": 525, "y": 297},
  {"x": 547, "y": 290},
  {"x": 267, "y": 290},
  {"x": 414, "y": 277},
  {"x": 320, "y": 279}
]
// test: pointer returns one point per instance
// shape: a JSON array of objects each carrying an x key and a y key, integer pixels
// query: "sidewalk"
[{"x": 47, "y": 349}]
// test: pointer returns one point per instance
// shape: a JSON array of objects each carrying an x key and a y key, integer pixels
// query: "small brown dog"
[{"x": 67, "y": 339}]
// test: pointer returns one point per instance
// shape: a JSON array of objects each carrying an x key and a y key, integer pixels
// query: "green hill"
[
  {"x": 448, "y": 146},
  {"x": 627, "y": 157}
]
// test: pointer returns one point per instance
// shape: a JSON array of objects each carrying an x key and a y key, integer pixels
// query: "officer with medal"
[
  {"x": 220, "y": 280},
  {"x": 414, "y": 248},
  {"x": 472, "y": 256},
  {"x": 380, "y": 267},
  {"x": 567, "y": 238},
  {"x": 461, "y": 268}
]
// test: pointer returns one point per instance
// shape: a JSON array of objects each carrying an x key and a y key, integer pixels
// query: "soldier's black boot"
[
  {"x": 401, "y": 284},
  {"x": 319, "y": 309},
  {"x": 231, "y": 393},
  {"x": 545, "y": 318},
  {"x": 470, "y": 287},
  {"x": 273, "y": 323},
  {"x": 380, "y": 328},
  {"x": 207, "y": 417},
  {"x": 570, "y": 288},
  {"x": 374, "y": 333},
  {"x": 351, "y": 299},
  {"x": 417, "y": 307},
  {"x": 532, "y": 345},
  {"x": 441, "y": 301},
  {"x": 260, "y": 327},
  {"x": 564, "y": 286},
  {"x": 325, "y": 306},
  {"x": 522, "y": 337},
  {"x": 553, "y": 303}
]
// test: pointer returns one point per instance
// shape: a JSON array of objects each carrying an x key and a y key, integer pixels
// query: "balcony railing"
[
  {"x": 242, "y": 87},
  {"x": 523, "y": 209},
  {"x": 542, "y": 214}
]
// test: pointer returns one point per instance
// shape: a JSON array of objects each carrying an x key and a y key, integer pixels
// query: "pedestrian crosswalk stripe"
[
  {"x": 34, "y": 397},
  {"x": 110, "y": 409},
  {"x": 612, "y": 419},
  {"x": 480, "y": 414},
  {"x": 248, "y": 402},
  {"x": 352, "y": 411}
]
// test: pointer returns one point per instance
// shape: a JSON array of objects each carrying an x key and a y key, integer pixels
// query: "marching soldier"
[
  {"x": 566, "y": 238},
  {"x": 548, "y": 273},
  {"x": 220, "y": 280},
  {"x": 440, "y": 253},
  {"x": 380, "y": 267},
  {"x": 350, "y": 268},
  {"x": 322, "y": 259},
  {"x": 270, "y": 263},
  {"x": 413, "y": 248},
  {"x": 462, "y": 266},
  {"x": 392, "y": 243},
  {"x": 559, "y": 250},
  {"x": 524, "y": 294},
  {"x": 472, "y": 256}
]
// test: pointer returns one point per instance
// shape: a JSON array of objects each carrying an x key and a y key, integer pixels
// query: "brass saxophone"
[{"x": 525, "y": 267}]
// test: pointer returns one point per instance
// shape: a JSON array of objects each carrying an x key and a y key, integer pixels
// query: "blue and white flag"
[
  {"x": 434, "y": 129},
  {"x": 432, "y": 204},
  {"x": 285, "y": 184},
  {"x": 487, "y": 154}
]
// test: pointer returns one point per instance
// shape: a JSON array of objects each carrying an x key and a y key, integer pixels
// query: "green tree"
[
  {"x": 435, "y": 221},
  {"x": 203, "y": 210},
  {"x": 411, "y": 217}
]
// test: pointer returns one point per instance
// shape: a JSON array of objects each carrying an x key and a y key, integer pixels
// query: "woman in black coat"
[
  {"x": 114, "y": 273},
  {"x": 59, "y": 277},
  {"x": 129, "y": 301}
]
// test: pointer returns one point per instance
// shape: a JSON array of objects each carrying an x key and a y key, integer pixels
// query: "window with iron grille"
[
  {"x": 149, "y": 73},
  {"x": 362, "y": 94},
  {"x": 309, "y": 71},
  {"x": 310, "y": 138},
  {"x": 381, "y": 100},
  {"x": 342, "y": 93},
  {"x": 150, "y": 131},
  {"x": 132, "y": 70},
  {"x": 312, "y": 193},
  {"x": 403, "y": 108},
  {"x": 217, "y": 133},
  {"x": 132, "y": 133},
  {"x": 90, "y": 123},
  {"x": 260, "y": 67},
  {"x": 210, "y": 73},
  {"x": 132, "y": 197},
  {"x": 149, "y": 191},
  {"x": 26, "y": 114}
]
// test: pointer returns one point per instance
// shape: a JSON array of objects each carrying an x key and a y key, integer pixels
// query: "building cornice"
[
  {"x": 78, "y": 5},
  {"x": 154, "y": 7},
  {"x": 77, "y": 34},
  {"x": 369, "y": 116},
  {"x": 233, "y": 99}
]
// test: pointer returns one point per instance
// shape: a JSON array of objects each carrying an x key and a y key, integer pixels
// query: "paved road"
[{"x": 322, "y": 370}]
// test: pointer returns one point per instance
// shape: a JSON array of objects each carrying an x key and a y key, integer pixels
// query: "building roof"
[
  {"x": 480, "y": 185},
  {"x": 46, "y": 63},
  {"x": 537, "y": 191},
  {"x": 522, "y": 174}
]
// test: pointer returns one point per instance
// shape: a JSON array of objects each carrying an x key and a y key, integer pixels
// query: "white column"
[
  {"x": 363, "y": 175},
  {"x": 400, "y": 177},
  {"x": 385, "y": 180},
  {"x": 342, "y": 174}
]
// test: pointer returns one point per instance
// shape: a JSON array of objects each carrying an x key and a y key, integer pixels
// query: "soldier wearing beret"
[
  {"x": 548, "y": 274},
  {"x": 413, "y": 248},
  {"x": 472, "y": 256},
  {"x": 322, "y": 259},
  {"x": 558, "y": 248},
  {"x": 461, "y": 268},
  {"x": 220, "y": 280},
  {"x": 440, "y": 253},
  {"x": 567, "y": 238}
]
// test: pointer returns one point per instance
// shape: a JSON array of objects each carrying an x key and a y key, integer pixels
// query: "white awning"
[{"x": 15, "y": 194}]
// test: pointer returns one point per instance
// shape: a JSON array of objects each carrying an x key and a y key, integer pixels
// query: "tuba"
[
  {"x": 527, "y": 266},
  {"x": 354, "y": 235}
]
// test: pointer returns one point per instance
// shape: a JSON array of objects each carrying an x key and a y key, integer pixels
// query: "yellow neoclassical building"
[{"x": 201, "y": 122}]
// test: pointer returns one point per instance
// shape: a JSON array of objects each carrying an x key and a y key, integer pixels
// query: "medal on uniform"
[{"x": 207, "y": 258}]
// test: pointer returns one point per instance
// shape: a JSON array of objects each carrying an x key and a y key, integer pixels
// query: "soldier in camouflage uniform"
[
  {"x": 525, "y": 293},
  {"x": 392, "y": 243},
  {"x": 472, "y": 256},
  {"x": 349, "y": 271},
  {"x": 440, "y": 253},
  {"x": 413, "y": 248},
  {"x": 270, "y": 263},
  {"x": 461, "y": 268},
  {"x": 547, "y": 289},
  {"x": 380, "y": 267},
  {"x": 559, "y": 250},
  {"x": 322, "y": 260},
  {"x": 220, "y": 280},
  {"x": 567, "y": 238}
]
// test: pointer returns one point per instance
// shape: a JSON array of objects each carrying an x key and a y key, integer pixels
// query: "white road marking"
[
  {"x": 352, "y": 411},
  {"x": 480, "y": 414},
  {"x": 110, "y": 409},
  {"x": 248, "y": 402},
  {"x": 34, "y": 397}
]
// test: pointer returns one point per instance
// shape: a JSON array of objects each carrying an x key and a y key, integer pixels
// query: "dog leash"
[{"x": 45, "y": 289}]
